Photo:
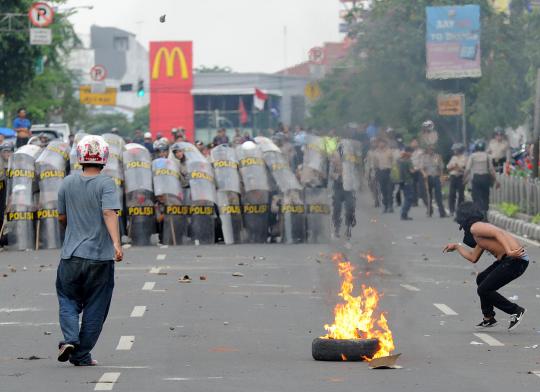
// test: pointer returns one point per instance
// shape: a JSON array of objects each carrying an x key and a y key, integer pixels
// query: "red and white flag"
[{"x": 259, "y": 99}]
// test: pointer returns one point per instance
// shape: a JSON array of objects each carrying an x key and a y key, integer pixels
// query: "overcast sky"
[{"x": 247, "y": 35}]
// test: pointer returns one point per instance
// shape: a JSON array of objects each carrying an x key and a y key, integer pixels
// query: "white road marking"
[
  {"x": 155, "y": 270},
  {"x": 489, "y": 339},
  {"x": 125, "y": 343},
  {"x": 409, "y": 287},
  {"x": 107, "y": 381},
  {"x": 191, "y": 378},
  {"x": 149, "y": 286},
  {"x": 138, "y": 311},
  {"x": 161, "y": 256},
  {"x": 12, "y": 310},
  {"x": 446, "y": 309}
]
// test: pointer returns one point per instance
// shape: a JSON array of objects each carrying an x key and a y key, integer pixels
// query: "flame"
[
  {"x": 356, "y": 318},
  {"x": 369, "y": 257}
]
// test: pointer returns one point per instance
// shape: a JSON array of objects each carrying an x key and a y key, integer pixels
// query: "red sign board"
[{"x": 171, "y": 81}]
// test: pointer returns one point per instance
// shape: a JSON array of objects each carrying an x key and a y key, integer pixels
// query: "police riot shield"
[
  {"x": 292, "y": 216},
  {"x": 51, "y": 168},
  {"x": 318, "y": 223},
  {"x": 202, "y": 194},
  {"x": 114, "y": 169},
  {"x": 315, "y": 164},
  {"x": 22, "y": 201},
  {"x": 173, "y": 208},
  {"x": 139, "y": 194},
  {"x": 351, "y": 160},
  {"x": 256, "y": 192},
  {"x": 74, "y": 166},
  {"x": 225, "y": 166}
]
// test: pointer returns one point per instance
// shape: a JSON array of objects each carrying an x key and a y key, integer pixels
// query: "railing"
[{"x": 521, "y": 191}]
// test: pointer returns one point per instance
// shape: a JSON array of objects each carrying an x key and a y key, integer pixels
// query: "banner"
[
  {"x": 171, "y": 81},
  {"x": 453, "y": 42}
]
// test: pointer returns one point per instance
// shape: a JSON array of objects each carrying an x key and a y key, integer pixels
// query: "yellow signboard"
[
  {"x": 108, "y": 98},
  {"x": 312, "y": 91},
  {"x": 450, "y": 105}
]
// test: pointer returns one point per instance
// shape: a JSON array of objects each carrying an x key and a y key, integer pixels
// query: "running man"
[
  {"x": 511, "y": 262},
  {"x": 87, "y": 205}
]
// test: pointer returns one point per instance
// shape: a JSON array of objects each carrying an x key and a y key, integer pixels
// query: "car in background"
[{"x": 54, "y": 131}]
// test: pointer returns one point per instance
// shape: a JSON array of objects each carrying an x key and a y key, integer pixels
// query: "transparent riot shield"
[
  {"x": 225, "y": 166},
  {"x": 74, "y": 166},
  {"x": 21, "y": 207},
  {"x": 114, "y": 169},
  {"x": 318, "y": 223},
  {"x": 292, "y": 206},
  {"x": 173, "y": 213},
  {"x": 51, "y": 168},
  {"x": 315, "y": 163},
  {"x": 351, "y": 161},
  {"x": 256, "y": 192},
  {"x": 139, "y": 194}
]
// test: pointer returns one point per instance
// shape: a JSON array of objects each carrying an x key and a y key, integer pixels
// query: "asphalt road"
[{"x": 254, "y": 332}]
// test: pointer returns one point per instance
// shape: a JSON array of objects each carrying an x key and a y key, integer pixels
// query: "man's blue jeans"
[{"x": 83, "y": 286}]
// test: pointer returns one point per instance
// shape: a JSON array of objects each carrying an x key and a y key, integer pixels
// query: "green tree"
[{"x": 384, "y": 78}]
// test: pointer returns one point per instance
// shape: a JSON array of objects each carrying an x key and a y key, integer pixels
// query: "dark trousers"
[
  {"x": 434, "y": 188},
  {"x": 419, "y": 188},
  {"x": 498, "y": 275},
  {"x": 408, "y": 198},
  {"x": 456, "y": 191},
  {"x": 83, "y": 286},
  {"x": 340, "y": 197},
  {"x": 387, "y": 188},
  {"x": 481, "y": 184}
]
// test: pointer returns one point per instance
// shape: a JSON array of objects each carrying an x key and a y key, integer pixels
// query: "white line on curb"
[
  {"x": 138, "y": 311},
  {"x": 446, "y": 309},
  {"x": 409, "y": 287},
  {"x": 125, "y": 343},
  {"x": 155, "y": 270},
  {"x": 489, "y": 339},
  {"x": 107, "y": 381},
  {"x": 161, "y": 256},
  {"x": 149, "y": 286}
]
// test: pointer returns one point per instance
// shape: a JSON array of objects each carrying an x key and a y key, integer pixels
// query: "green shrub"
[{"x": 509, "y": 209}]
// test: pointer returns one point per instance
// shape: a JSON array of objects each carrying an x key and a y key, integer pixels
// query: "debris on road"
[
  {"x": 238, "y": 274},
  {"x": 185, "y": 279}
]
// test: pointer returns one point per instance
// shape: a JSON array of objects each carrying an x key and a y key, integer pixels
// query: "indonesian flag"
[
  {"x": 243, "y": 113},
  {"x": 259, "y": 99}
]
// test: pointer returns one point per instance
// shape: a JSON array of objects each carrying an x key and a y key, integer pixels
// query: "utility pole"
[{"x": 536, "y": 133}]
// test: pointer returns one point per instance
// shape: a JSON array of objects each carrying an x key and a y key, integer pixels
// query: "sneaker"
[
  {"x": 515, "y": 319},
  {"x": 65, "y": 352},
  {"x": 487, "y": 323}
]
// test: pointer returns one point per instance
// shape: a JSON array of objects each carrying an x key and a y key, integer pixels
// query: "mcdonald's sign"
[{"x": 171, "y": 81}]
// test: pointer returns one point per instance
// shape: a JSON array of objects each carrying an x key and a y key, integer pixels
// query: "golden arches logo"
[{"x": 170, "y": 56}]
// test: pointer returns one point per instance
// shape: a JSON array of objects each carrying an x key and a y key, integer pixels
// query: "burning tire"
[{"x": 344, "y": 350}]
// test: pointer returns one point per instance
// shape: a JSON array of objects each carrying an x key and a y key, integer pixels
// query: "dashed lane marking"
[
  {"x": 409, "y": 287},
  {"x": 446, "y": 309},
  {"x": 155, "y": 270},
  {"x": 191, "y": 378},
  {"x": 149, "y": 286},
  {"x": 490, "y": 340},
  {"x": 138, "y": 311},
  {"x": 161, "y": 256},
  {"x": 107, "y": 381},
  {"x": 125, "y": 343}
]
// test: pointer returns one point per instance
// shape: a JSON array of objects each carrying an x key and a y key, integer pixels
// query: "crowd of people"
[{"x": 404, "y": 174}]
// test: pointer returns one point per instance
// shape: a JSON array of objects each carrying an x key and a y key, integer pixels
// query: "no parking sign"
[{"x": 41, "y": 14}]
